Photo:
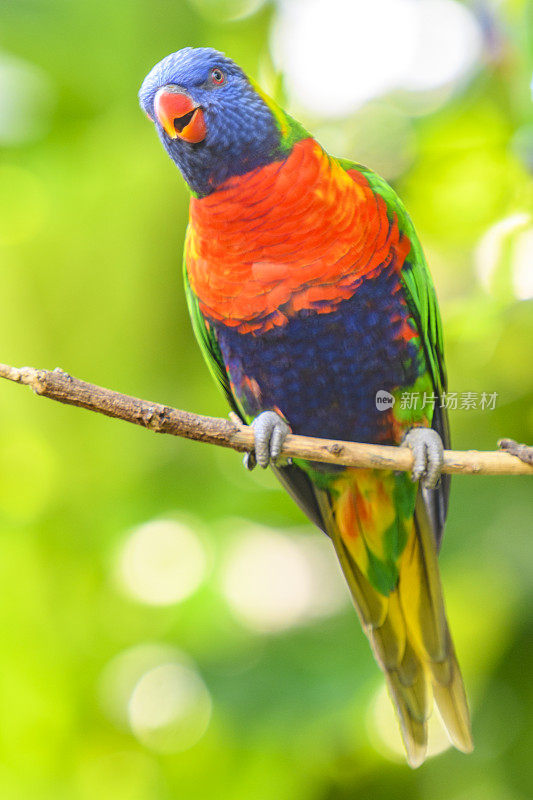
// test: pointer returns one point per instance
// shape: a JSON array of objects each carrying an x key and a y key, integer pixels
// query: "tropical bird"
[{"x": 313, "y": 305}]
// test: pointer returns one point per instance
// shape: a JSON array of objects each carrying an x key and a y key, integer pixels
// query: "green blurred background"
[{"x": 170, "y": 627}]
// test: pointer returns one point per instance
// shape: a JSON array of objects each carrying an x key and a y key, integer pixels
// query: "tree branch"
[{"x": 58, "y": 385}]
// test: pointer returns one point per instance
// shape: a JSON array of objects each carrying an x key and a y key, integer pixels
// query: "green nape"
[{"x": 291, "y": 130}]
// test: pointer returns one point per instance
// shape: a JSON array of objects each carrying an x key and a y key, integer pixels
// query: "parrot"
[{"x": 312, "y": 302}]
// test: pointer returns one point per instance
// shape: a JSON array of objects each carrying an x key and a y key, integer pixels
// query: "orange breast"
[{"x": 299, "y": 234}]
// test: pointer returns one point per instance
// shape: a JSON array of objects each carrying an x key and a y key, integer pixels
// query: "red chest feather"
[{"x": 297, "y": 234}]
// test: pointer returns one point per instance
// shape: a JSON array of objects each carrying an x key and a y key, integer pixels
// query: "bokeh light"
[
  {"x": 27, "y": 99},
  {"x": 122, "y": 673},
  {"x": 155, "y": 691},
  {"x": 161, "y": 562},
  {"x": 523, "y": 265},
  {"x": 333, "y": 67},
  {"x": 170, "y": 708},
  {"x": 273, "y": 581},
  {"x": 448, "y": 45},
  {"x": 504, "y": 257},
  {"x": 330, "y": 68}
]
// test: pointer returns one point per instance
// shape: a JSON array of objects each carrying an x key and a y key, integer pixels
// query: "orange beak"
[{"x": 178, "y": 115}]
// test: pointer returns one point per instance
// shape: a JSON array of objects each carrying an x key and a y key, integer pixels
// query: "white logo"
[{"x": 384, "y": 400}]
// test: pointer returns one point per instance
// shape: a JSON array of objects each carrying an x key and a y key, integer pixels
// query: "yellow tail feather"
[
  {"x": 453, "y": 708},
  {"x": 414, "y": 731},
  {"x": 410, "y": 638}
]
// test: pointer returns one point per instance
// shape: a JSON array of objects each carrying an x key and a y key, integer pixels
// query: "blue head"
[{"x": 212, "y": 121}]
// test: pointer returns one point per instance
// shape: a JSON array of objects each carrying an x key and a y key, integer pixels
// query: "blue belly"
[{"x": 322, "y": 371}]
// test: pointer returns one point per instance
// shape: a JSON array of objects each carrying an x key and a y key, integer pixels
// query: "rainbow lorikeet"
[{"x": 310, "y": 295}]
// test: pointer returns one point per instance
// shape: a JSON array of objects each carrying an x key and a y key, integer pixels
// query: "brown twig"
[
  {"x": 522, "y": 451},
  {"x": 58, "y": 385}
]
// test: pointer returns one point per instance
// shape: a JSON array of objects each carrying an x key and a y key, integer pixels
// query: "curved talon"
[
  {"x": 249, "y": 461},
  {"x": 428, "y": 455},
  {"x": 270, "y": 431}
]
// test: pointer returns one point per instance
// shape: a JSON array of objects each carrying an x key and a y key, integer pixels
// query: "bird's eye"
[{"x": 217, "y": 77}]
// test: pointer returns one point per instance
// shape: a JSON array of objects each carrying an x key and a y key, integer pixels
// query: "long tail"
[{"x": 409, "y": 633}]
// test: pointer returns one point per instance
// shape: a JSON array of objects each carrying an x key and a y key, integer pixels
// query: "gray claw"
[
  {"x": 428, "y": 455},
  {"x": 270, "y": 431}
]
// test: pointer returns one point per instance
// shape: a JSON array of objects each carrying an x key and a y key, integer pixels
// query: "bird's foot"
[
  {"x": 270, "y": 431},
  {"x": 428, "y": 455}
]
